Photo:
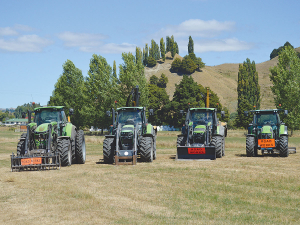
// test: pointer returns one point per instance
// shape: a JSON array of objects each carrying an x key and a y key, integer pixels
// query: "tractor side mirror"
[
  {"x": 23, "y": 115},
  {"x": 246, "y": 113},
  {"x": 29, "y": 116},
  {"x": 181, "y": 112},
  {"x": 71, "y": 111},
  {"x": 222, "y": 114},
  {"x": 286, "y": 112},
  {"x": 151, "y": 112},
  {"x": 108, "y": 113}
]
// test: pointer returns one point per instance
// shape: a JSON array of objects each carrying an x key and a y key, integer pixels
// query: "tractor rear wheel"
[
  {"x": 250, "y": 146},
  {"x": 21, "y": 145},
  {"x": 181, "y": 141},
  {"x": 217, "y": 142},
  {"x": 223, "y": 146},
  {"x": 65, "y": 152},
  {"x": 283, "y": 146},
  {"x": 146, "y": 149},
  {"x": 154, "y": 148},
  {"x": 108, "y": 150},
  {"x": 80, "y": 147}
]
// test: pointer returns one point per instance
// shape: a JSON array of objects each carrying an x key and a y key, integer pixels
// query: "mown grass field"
[{"x": 231, "y": 190}]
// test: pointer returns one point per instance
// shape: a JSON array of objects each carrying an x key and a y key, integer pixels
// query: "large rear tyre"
[
  {"x": 65, "y": 152},
  {"x": 21, "y": 145},
  {"x": 217, "y": 142},
  {"x": 154, "y": 148},
  {"x": 223, "y": 146},
  {"x": 80, "y": 151},
  {"x": 181, "y": 141},
  {"x": 108, "y": 150},
  {"x": 250, "y": 146},
  {"x": 283, "y": 146},
  {"x": 146, "y": 149}
]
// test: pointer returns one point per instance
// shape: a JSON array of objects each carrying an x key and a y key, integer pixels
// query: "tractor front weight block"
[{"x": 195, "y": 153}]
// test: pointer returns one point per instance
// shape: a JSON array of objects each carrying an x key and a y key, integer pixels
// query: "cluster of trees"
[
  {"x": 276, "y": 51},
  {"x": 190, "y": 63},
  {"x": 24, "y": 108},
  {"x": 151, "y": 54},
  {"x": 187, "y": 93},
  {"x": 248, "y": 91},
  {"x": 6, "y": 115}
]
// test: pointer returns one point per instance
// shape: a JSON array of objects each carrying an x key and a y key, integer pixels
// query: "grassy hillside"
[{"x": 222, "y": 79}]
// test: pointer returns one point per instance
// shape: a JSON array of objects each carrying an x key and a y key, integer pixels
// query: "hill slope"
[{"x": 221, "y": 79}]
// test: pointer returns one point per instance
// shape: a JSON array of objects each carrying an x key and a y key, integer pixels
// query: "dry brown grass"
[{"x": 231, "y": 190}]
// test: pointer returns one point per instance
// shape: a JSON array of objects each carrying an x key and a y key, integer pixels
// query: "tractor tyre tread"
[
  {"x": 250, "y": 146},
  {"x": 146, "y": 149},
  {"x": 283, "y": 146},
  {"x": 80, "y": 150},
  {"x": 21, "y": 145},
  {"x": 64, "y": 150},
  {"x": 108, "y": 150},
  {"x": 217, "y": 142}
]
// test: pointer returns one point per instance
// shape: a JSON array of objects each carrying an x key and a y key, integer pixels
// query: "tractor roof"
[
  {"x": 49, "y": 107},
  {"x": 265, "y": 110},
  {"x": 124, "y": 108},
  {"x": 203, "y": 109}
]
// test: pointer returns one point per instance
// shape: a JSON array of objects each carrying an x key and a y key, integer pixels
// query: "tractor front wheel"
[
  {"x": 108, "y": 150},
  {"x": 146, "y": 149},
  {"x": 21, "y": 145},
  {"x": 65, "y": 152},
  {"x": 250, "y": 146},
  {"x": 181, "y": 141},
  {"x": 283, "y": 146},
  {"x": 80, "y": 147},
  {"x": 217, "y": 142}
]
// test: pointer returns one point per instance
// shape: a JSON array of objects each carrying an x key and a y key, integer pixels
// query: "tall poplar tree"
[
  {"x": 115, "y": 70},
  {"x": 190, "y": 45},
  {"x": 101, "y": 91},
  {"x": 248, "y": 92},
  {"x": 131, "y": 73},
  {"x": 162, "y": 49},
  {"x": 69, "y": 92},
  {"x": 286, "y": 86}
]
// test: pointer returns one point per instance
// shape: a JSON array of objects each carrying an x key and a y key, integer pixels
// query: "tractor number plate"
[
  {"x": 31, "y": 161},
  {"x": 266, "y": 143},
  {"x": 196, "y": 150}
]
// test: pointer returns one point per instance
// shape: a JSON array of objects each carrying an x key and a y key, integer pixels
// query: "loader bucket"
[
  {"x": 196, "y": 153},
  {"x": 45, "y": 161}
]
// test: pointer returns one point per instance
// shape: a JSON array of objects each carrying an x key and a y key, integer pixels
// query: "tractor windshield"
[
  {"x": 130, "y": 117},
  {"x": 47, "y": 116},
  {"x": 266, "y": 118},
  {"x": 202, "y": 117}
]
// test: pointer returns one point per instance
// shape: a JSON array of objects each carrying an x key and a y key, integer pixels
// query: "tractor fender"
[
  {"x": 283, "y": 130},
  {"x": 250, "y": 135},
  {"x": 149, "y": 131},
  {"x": 110, "y": 136},
  {"x": 68, "y": 129}
]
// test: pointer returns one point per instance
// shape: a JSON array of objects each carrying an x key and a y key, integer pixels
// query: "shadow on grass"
[
  {"x": 258, "y": 156},
  {"x": 172, "y": 157}
]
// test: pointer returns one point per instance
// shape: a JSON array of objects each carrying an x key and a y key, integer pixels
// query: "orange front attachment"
[
  {"x": 196, "y": 150},
  {"x": 266, "y": 143},
  {"x": 31, "y": 161}
]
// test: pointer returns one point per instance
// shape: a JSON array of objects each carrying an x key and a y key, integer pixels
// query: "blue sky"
[{"x": 38, "y": 37}]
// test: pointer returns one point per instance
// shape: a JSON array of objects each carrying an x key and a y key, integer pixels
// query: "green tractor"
[
  {"x": 131, "y": 135},
  {"x": 202, "y": 136},
  {"x": 267, "y": 133},
  {"x": 51, "y": 141}
]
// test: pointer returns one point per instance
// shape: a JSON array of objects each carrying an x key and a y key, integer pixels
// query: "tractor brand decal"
[
  {"x": 31, "y": 161},
  {"x": 266, "y": 143},
  {"x": 196, "y": 150}
]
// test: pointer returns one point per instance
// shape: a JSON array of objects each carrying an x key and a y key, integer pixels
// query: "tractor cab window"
[
  {"x": 202, "y": 118},
  {"x": 63, "y": 116},
  {"x": 130, "y": 117},
  {"x": 266, "y": 118},
  {"x": 46, "y": 116}
]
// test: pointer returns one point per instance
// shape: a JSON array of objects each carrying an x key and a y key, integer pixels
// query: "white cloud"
[
  {"x": 231, "y": 44},
  {"x": 81, "y": 39},
  {"x": 8, "y": 31},
  {"x": 198, "y": 28},
  {"x": 25, "y": 43},
  {"x": 94, "y": 43}
]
